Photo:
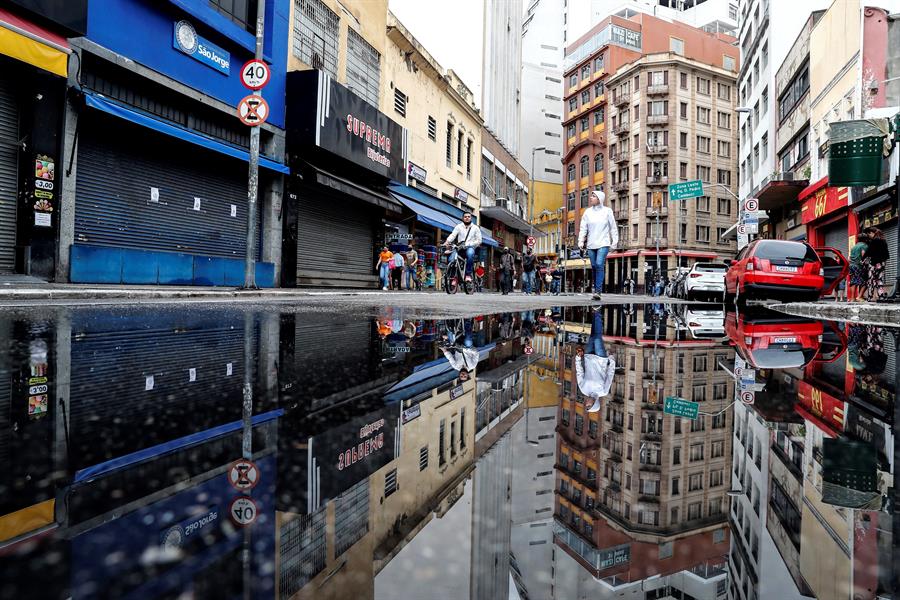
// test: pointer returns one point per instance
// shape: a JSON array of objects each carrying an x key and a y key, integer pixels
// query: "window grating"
[
  {"x": 302, "y": 551},
  {"x": 432, "y": 129},
  {"x": 390, "y": 482},
  {"x": 400, "y": 102},
  {"x": 423, "y": 458},
  {"x": 351, "y": 517},
  {"x": 316, "y": 31},
  {"x": 363, "y": 68}
]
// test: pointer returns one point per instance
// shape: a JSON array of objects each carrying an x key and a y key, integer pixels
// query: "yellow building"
[{"x": 547, "y": 213}]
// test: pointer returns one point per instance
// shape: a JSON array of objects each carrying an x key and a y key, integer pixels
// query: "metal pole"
[
  {"x": 531, "y": 200},
  {"x": 253, "y": 177},
  {"x": 657, "y": 243}
]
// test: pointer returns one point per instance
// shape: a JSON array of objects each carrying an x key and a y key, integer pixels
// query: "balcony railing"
[
  {"x": 620, "y": 157},
  {"x": 650, "y": 468},
  {"x": 620, "y": 187},
  {"x": 623, "y": 214},
  {"x": 657, "y": 119},
  {"x": 657, "y": 90},
  {"x": 651, "y": 242},
  {"x": 621, "y": 99},
  {"x": 651, "y": 436},
  {"x": 622, "y": 128},
  {"x": 657, "y": 150},
  {"x": 661, "y": 180}
]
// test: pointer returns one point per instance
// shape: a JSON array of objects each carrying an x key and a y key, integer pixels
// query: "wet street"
[{"x": 624, "y": 451}]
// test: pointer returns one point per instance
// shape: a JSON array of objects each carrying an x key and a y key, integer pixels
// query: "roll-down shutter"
[
  {"x": 9, "y": 149},
  {"x": 335, "y": 234},
  {"x": 119, "y": 165},
  {"x": 836, "y": 237},
  {"x": 890, "y": 268}
]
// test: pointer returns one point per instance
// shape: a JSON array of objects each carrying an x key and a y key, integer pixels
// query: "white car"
[
  {"x": 705, "y": 279},
  {"x": 705, "y": 323}
]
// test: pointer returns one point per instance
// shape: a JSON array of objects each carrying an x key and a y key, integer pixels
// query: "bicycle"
[{"x": 456, "y": 271}]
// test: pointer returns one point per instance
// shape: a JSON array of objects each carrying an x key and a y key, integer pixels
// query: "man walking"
[
  {"x": 507, "y": 271},
  {"x": 469, "y": 235},
  {"x": 412, "y": 267},
  {"x": 528, "y": 272},
  {"x": 397, "y": 270},
  {"x": 598, "y": 233}
]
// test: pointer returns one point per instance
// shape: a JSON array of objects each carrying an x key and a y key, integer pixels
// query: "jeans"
[
  {"x": 595, "y": 341},
  {"x": 506, "y": 281},
  {"x": 397, "y": 275},
  {"x": 554, "y": 286},
  {"x": 384, "y": 272},
  {"x": 528, "y": 281},
  {"x": 470, "y": 259},
  {"x": 598, "y": 266},
  {"x": 411, "y": 278}
]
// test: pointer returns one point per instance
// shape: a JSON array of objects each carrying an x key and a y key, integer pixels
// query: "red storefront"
[{"x": 826, "y": 212}]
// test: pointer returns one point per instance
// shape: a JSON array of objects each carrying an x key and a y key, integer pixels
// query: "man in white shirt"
[
  {"x": 598, "y": 233},
  {"x": 594, "y": 370},
  {"x": 468, "y": 234}
]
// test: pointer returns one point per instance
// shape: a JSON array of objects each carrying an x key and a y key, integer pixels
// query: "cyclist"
[{"x": 468, "y": 235}]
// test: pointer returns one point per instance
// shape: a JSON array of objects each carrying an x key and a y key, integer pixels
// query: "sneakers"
[
  {"x": 596, "y": 297},
  {"x": 384, "y": 289}
]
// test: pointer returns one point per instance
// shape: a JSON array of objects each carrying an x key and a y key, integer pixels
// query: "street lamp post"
[{"x": 531, "y": 200}]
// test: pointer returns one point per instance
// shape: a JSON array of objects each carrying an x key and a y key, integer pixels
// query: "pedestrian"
[
  {"x": 877, "y": 255},
  {"x": 479, "y": 277},
  {"x": 857, "y": 273},
  {"x": 598, "y": 233},
  {"x": 421, "y": 275},
  {"x": 528, "y": 271},
  {"x": 412, "y": 268},
  {"x": 385, "y": 258},
  {"x": 507, "y": 271},
  {"x": 594, "y": 370},
  {"x": 555, "y": 278},
  {"x": 397, "y": 270}
]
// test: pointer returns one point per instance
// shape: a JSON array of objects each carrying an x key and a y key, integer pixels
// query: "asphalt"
[{"x": 884, "y": 314}]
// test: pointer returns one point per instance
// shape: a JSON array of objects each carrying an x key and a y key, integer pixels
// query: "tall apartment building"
[
  {"x": 502, "y": 71},
  {"x": 673, "y": 82}
]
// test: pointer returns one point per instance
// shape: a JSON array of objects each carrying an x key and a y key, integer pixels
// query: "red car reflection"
[{"x": 770, "y": 340}]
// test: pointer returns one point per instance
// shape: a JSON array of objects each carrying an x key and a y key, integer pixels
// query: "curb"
[{"x": 869, "y": 314}]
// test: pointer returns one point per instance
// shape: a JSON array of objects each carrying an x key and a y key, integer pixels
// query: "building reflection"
[{"x": 641, "y": 496}]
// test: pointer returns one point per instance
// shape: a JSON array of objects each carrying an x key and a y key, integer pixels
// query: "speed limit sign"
[
  {"x": 243, "y": 511},
  {"x": 255, "y": 74}
]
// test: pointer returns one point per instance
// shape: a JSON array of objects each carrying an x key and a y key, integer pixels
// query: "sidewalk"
[{"x": 887, "y": 315}]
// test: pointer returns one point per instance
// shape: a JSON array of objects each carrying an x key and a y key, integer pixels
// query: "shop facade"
[
  {"x": 878, "y": 208},
  {"x": 156, "y": 160},
  {"x": 827, "y": 213}
]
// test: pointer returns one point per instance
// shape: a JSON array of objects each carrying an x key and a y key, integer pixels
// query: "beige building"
[
  {"x": 671, "y": 120},
  {"x": 438, "y": 110}
]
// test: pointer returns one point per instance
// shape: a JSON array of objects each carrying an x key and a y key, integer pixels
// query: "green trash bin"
[{"x": 855, "y": 153}]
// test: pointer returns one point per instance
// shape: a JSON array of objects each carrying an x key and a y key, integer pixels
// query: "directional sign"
[
  {"x": 679, "y": 407},
  {"x": 253, "y": 110},
  {"x": 530, "y": 241},
  {"x": 255, "y": 74},
  {"x": 685, "y": 190},
  {"x": 243, "y": 475},
  {"x": 243, "y": 511},
  {"x": 751, "y": 205},
  {"x": 747, "y": 397}
]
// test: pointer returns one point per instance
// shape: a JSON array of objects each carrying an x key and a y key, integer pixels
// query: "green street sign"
[
  {"x": 685, "y": 190},
  {"x": 679, "y": 407}
]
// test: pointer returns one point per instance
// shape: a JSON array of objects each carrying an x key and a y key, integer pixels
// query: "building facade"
[{"x": 501, "y": 82}]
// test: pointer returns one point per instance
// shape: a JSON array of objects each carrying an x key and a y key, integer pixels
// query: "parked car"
[
  {"x": 705, "y": 322},
  {"x": 705, "y": 279},
  {"x": 783, "y": 269},
  {"x": 766, "y": 339}
]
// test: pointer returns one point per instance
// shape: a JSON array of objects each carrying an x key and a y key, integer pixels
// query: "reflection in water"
[{"x": 523, "y": 455}]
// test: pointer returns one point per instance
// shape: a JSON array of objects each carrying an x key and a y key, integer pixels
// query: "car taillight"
[
  {"x": 696, "y": 275},
  {"x": 762, "y": 264},
  {"x": 693, "y": 324}
]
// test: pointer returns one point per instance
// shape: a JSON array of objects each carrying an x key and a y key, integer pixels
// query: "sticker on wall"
[
  {"x": 43, "y": 219},
  {"x": 44, "y": 168},
  {"x": 43, "y": 206},
  {"x": 154, "y": 194},
  {"x": 43, "y": 194},
  {"x": 148, "y": 383},
  {"x": 229, "y": 369},
  {"x": 192, "y": 374},
  {"x": 37, "y": 405},
  {"x": 234, "y": 210},
  {"x": 196, "y": 203}
]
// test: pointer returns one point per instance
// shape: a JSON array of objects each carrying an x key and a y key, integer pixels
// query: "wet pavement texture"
[{"x": 623, "y": 451}]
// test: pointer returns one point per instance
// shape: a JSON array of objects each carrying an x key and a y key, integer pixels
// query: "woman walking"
[
  {"x": 858, "y": 266},
  {"x": 385, "y": 257},
  {"x": 877, "y": 254}
]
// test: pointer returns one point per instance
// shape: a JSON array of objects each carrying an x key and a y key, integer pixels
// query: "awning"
[
  {"x": 623, "y": 254},
  {"x": 32, "y": 44},
  {"x": 487, "y": 239},
  {"x": 508, "y": 218},
  {"x": 140, "y": 118},
  {"x": 654, "y": 252},
  {"x": 426, "y": 214},
  {"x": 780, "y": 192},
  {"x": 696, "y": 254},
  {"x": 366, "y": 194},
  {"x": 884, "y": 196},
  {"x": 428, "y": 200}
]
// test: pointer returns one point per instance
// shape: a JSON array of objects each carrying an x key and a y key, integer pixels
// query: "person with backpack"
[
  {"x": 507, "y": 271},
  {"x": 529, "y": 275}
]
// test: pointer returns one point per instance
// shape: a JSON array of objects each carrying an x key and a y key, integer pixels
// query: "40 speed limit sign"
[
  {"x": 243, "y": 511},
  {"x": 255, "y": 74}
]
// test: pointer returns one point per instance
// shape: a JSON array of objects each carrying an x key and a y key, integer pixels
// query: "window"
[
  {"x": 390, "y": 482},
  {"x": 462, "y": 427},
  {"x": 674, "y": 519},
  {"x": 677, "y": 425},
  {"x": 598, "y": 89},
  {"x": 459, "y": 142},
  {"x": 570, "y": 130},
  {"x": 676, "y": 45},
  {"x": 598, "y": 162},
  {"x": 703, "y": 115},
  {"x": 682, "y": 111},
  {"x": 570, "y": 174},
  {"x": 723, "y": 149},
  {"x": 242, "y": 12},
  {"x": 733, "y": 12},
  {"x": 765, "y": 101},
  {"x": 635, "y": 176},
  {"x": 695, "y": 480},
  {"x": 682, "y": 140},
  {"x": 570, "y": 200},
  {"x": 449, "y": 149},
  {"x": 423, "y": 458},
  {"x": 723, "y": 176},
  {"x": 702, "y": 204},
  {"x": 724, "y": 206},
  {"x": 364, "y": 69},
  {"x": 765, "y": 146},
  {"x": 658, "y": 108},
  {"x": 676, "y": 456},
  {"x": 584, "y": 166},
  {"x": 793, "y": 93},
  {"x": 584, "y": 204},
  {"x": 694, "y": 510},
  {"x": 636, "y": 146},
  {"x": 649, "y": 487},
  {"x": 598, "y": 63},
  {"x": 316, "y": 32},
  {"x": 683, "y": 80},
  {"x": 703, "y": 86},
  {"x": 728, "y": 62},
  {"x": 675, "y": 486},
  {"x": 586, "y": 96},
  {"x": 724, "y": 91},
  {"x": 573, "y": 80},
  {"x": 442, "y": 457},
  {"x": 592, "y": 432},
  {"x": 703, "y": 173},
  {"x": 703, "y": 144},
  {"x": 573, "y": 103},
  {"x": 432, "y": 129},
  {"x": 648, "y": 517},
  {"x": 598, "y": 116},
  {"x": 469, "y": 159},
  {"x": 585, "y": 71},
  {"x": 584, "y": 123},
  {"x": 717, "y": 449},
  {"x": 702, "y": 236}
]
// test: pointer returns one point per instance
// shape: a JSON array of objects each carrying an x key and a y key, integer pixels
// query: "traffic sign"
[
  {"x": 685, "y": 190},
  {"x": 679, "y": 407},
  {"x": 531, "y": 241},
  {"x": 751, "y": 205},
  {"x": 255, "y": 74},
  {"x": 529, "y": 350},
  {"x": 243, "y": 511},
  {"x": 748, "y": 228},
  {"x": 747, "y": 397},
  {"x": 253, "y": 110},
  {"x": 243, "y": 475}
]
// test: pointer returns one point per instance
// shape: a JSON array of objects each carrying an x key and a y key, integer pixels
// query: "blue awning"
[
  {"x": 487, "y": 239},
  {"x": 139, "y": 118},
  {"x": 428, "y": 200},
  {"x": 427, "y": 215}
]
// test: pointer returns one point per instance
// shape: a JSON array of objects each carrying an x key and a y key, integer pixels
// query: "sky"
[{"x": 451, "y": 31}]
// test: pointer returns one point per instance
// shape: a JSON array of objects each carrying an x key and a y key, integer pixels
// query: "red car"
[
  {"x": 770, "y": 340},
  {"x": 784, "y": 269}
]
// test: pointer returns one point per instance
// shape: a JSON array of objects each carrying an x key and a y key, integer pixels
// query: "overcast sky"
[{"x": 451, "y": 31}]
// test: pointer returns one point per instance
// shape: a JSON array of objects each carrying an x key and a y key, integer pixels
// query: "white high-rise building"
[{"x": 502, "y": 71}]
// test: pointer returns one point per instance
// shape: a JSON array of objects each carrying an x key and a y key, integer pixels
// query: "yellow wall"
[
  {"x": 547, "y": 196},
  {"x": 833, "y": 42},
  {"x": 432, "y": 91}
]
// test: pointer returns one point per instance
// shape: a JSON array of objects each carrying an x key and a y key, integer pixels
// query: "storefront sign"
[
  {"x": 411, "y": 413},
  {"x": 461, "y": 195},
  {"x": 178, "y": 535},
  {"x": 824, "y": 202},
  {"x": 626, "y": 37},
  {"x": 456, "y": 392},
  {"x": 416, "y": 172},
  {"x": 827, "y": 412},
  {"x": 614, "y": 556},
  {"x": 185, "y": 38},
  {"x": 43, "y": 190}
]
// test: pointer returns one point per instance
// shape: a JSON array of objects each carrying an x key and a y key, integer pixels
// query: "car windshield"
[
  {"x": 709, "y": 267},
  {"x": 777, "y": 250}
]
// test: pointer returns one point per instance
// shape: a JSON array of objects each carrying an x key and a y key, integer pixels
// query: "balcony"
[
  {"x": 651, "y": 436},
  {"x": 657, "y": 119},
  {"x": 657, "y": 150},
  {"x": 661, "y": 180},
  {"x": 617, "y": 427},
  {"x": 651, "y": 406},
  {"x": 623, "y": 214},
  {"x": 648, "y": 499},
  {"x": 651, "y": 242},
  {"x": 649, "y": 468},
  {"x": 620, "y": 157},
  {"x": 622, "y": 186},
  {"x": 621, "y": 99},
  {"x": 658, "y": 90},
  {"x": 622, "y": 129}
]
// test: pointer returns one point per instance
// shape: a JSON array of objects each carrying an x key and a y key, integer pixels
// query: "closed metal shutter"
[
  {"x": 335, "y": 238},
  {"x": 347, "y": 356},
  {"x": 9, "y": 150},
  {"x": 119, "y": 163},
  {"x": 836, "y": 237},
  {"x": 6, "y": 375},
  {"x": 890, "y": 269}
]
